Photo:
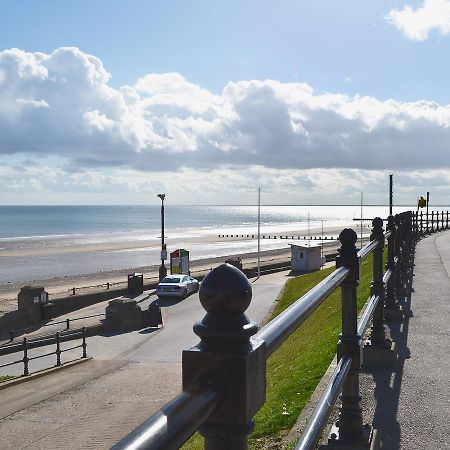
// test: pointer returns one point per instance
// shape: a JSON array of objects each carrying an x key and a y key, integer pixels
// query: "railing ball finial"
[
  {"x": 225, "y": 290},
  {"x": 377, "y": 230},
  {"x": 228, "y": 358},
  {"x": 348, "y": 238},
  {"x": 377, "y": 223},
  {"x": 391, "y": 223}
]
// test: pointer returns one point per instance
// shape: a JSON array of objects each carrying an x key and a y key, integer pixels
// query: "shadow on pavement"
[
  {"x": 165, "y": 302},
  {"x": 388, "y": 380}
]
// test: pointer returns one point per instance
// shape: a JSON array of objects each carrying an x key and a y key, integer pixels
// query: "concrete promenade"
[
  {"x": 411, "y": 408},
  {"x": 93, "y": 405}
]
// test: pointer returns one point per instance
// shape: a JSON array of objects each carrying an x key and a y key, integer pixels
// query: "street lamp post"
[{"x": 162, "y": 268}]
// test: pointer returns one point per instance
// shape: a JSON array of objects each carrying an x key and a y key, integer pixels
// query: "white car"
[{"x": 176, "y": 286}]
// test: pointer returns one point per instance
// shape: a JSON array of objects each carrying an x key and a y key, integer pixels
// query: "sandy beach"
[{"x": 59, "y": 286}]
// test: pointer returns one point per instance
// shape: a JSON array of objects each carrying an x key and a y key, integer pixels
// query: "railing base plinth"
[
  {"x": 379, "y": 356},
  {"x": 368, "y": 441},
  {"x": 393, "y": 314}
]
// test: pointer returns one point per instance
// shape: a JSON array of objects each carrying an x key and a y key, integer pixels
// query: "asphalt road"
[
  {"x": 150, "y": 345},
  {"x": 131, "y": 376}
]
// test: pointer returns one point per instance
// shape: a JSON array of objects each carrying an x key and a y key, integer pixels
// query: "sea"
[{"x": 36, "y": 241}]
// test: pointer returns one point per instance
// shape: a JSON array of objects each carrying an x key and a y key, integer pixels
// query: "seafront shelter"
[{"x": 305, "y": 258}]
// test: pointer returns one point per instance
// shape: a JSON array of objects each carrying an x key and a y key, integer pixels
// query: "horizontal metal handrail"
[
  {"x": 40, "y": 342},
  {"x": 321, "y": 413},
  {"x": 387, "y": 275},
  {"x": 280, "y": 328},
  {"x": 174, "y": 424},
  {"x": 14, "y": 332},
  {"x": 367, "y": 249},
  {"x": 41, "y": 356},
  {"x": 12, "y": 363},
  {"x": 367, "y": 314}
]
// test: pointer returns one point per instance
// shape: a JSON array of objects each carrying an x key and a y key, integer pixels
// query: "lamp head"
[{"x": 161, "y": 196}]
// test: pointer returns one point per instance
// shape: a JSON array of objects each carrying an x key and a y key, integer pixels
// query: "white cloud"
[
  {"x": 416, "y": 24},
  {"x": 61, "y": 104}
]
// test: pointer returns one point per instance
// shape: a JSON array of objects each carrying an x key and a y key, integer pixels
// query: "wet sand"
[{"x": 63, "y": 285}]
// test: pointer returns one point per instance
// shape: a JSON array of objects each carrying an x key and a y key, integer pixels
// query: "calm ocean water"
[{"x": 53, "y": 227}]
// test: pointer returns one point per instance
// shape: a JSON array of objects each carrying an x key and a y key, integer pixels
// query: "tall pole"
[
  {"x": 391, "y": 193},
  {"x": 259, "y": 232},
  {"x": 162, "y": 268},
  {"x": 361, "y": 231},
  {"x": 309, "y": 237},
  {"x": 321, "y": 249}
]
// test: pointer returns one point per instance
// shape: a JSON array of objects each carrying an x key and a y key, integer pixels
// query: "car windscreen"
[{"x": 171, "y": 280}]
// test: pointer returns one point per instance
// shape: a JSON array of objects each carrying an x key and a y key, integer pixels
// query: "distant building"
[{"x": 305, "y": 258}]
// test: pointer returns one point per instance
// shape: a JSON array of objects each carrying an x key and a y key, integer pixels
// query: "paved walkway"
[
  {"x": 412, "y": 410},
  {"x": 92, "y": 405}
]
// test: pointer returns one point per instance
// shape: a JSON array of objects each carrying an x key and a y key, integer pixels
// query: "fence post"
[
  {"x": 447, "y": 221},
  {"x": 25, "y": 359},
  {"x": 442, "y": 224},
  {"x": 67, "y": 324},
  {"x": 379, "y": 350},
  {"x": 392, "y": 310},
  {"x": 227, "y": 358},
  {"x": 11, "y": 335},
  {"x": 432, "y": 221},
  {"x": 416, "y": 226},
  {"x": 350, "y": 429},
  {"x": 58, "y": 349},
  {"x": 399, "y": 245},
  {"x": 421, "y": 223},
  {"x": 84, "y": 345}
]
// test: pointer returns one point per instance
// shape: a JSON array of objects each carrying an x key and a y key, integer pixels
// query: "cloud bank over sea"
[{"x": 62, "y": 107}]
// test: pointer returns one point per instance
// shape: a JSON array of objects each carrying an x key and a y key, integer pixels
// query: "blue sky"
[
  {"x": 344, "y": 46},
  {"x": 342, "y": 51}
]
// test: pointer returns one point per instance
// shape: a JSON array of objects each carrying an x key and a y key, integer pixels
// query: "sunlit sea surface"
[{"x": 57, "y": 227}]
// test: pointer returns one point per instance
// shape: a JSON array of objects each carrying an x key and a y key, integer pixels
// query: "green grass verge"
[
  {"x": 296, "y": 368},
  {"x": 6, "y": 378}
]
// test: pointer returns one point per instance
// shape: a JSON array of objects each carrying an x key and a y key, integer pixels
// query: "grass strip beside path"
[
  {"x": 4, "y": 378},
  {"x": 296, "y": 368}
]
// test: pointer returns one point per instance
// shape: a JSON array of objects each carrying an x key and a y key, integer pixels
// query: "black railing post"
[
  {"x": 432, "y": 221},
  {"x": 58, "y": 349},
  {"x": 399, "y": 254},
  {"x": 378, "y": 331},
  {"x": 350, "y": 428},
  {"x": 84, "y": 345},
  {"x": 227, "y": 359},
  {"x": 392, "y": 309},
  {"x": 421, "y": 223},
  {"x": 67, "y": 324},
  {"x": 416, "y": 226},
  {"x": 11, "y": 335},
  {"x": 442, "y": 223},
  {"x": 25, "y": 359},
  {"x": 446, "y": 226}
]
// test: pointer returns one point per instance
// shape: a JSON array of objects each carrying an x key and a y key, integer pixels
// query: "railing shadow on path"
[{"x": 388, "y": 380}]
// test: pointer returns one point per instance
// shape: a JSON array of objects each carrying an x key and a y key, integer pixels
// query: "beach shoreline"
[{"x": 63, "y": 285}]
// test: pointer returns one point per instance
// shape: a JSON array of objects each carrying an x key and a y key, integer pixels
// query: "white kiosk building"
[{"x": 305, "y": 258}]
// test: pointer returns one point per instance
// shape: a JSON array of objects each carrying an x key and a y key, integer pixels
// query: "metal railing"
[
  {"x": 13, "y": 333},
  {"x": 224, "y": 376},
  {"x": 57, "y": 339}
]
